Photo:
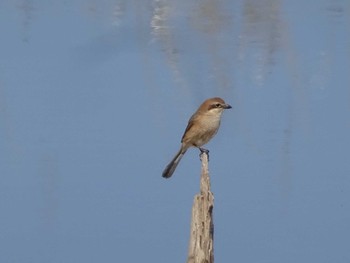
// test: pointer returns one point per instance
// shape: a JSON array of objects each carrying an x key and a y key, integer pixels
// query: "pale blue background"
[{"x": 95, "y": 96}]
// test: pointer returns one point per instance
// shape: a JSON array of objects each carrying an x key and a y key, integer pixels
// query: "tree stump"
[{"x": 201, "y": 249}]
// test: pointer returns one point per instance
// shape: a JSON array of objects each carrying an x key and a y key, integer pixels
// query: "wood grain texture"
[{"x": 201, "y": 249}]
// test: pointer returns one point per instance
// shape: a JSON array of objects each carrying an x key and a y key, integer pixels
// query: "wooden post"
[{"x": 201, "y": 249}]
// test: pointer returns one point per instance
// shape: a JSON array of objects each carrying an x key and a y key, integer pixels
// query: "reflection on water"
[
  {"x": 26, "y": 9},
  {"x": 163, "y": 32},
  {"x": 212, "y": 17},
  {"x": 223, "y": 33},
  {"x": 262, "y": 30},
  {"x": 213, "y": 22},
  {"x": 113, "y": 10},
  {"x": 118, "y": 11},
  {"x": 335, "y": 8}
]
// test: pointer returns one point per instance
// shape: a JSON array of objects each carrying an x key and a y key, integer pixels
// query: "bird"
[{"x": 201, "y": 128}]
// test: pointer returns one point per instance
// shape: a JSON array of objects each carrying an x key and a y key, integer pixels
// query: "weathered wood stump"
[{"x": 201, "y": 249}]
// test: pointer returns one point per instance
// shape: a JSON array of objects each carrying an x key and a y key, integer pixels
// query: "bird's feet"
[{"x": 203, "y": 151}]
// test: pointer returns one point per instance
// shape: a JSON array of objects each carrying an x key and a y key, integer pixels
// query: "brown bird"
[{"x": 202, "y": 126}]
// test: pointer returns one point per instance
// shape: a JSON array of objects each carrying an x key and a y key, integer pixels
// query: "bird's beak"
[{"x": 227, "y": 106}]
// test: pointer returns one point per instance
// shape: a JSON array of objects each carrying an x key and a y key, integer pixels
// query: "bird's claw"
[
  {"x": 203, "y": 150},
  {"x": 206, "y": 151}
]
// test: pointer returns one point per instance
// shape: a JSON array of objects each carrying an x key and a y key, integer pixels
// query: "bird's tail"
[{"x": 170, "y": 168}]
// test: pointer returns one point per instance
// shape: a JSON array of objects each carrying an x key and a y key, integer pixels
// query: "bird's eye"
[{"x": 217, "y": 105}]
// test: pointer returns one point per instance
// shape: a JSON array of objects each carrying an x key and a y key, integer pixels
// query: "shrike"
[{"x": 202, "y": 126}]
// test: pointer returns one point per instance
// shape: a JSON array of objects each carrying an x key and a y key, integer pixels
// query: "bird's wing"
[{"x": 189, "y": 125}]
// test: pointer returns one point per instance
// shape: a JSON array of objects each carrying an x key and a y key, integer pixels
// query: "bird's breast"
[{"x": 203, "y": 130}]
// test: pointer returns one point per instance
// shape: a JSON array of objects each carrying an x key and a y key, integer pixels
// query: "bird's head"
[{"x": 214, "y": 106}]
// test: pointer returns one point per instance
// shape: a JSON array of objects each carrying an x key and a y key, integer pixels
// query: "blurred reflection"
[
  {"x": 164, "y": 33},
  {"x": 118, "y": 11},
  {"x": 26, "y": 8},
  {"x": 261, "y": 30},
  {"x": 212, "y": 16},
  {"x": 215, "y": 33},
  {"x": 113, "y": 9},
  {"x": 202, "y": 28},
  {"x": 214, "y": 22},
  {"x": 335, "y": 8}
]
